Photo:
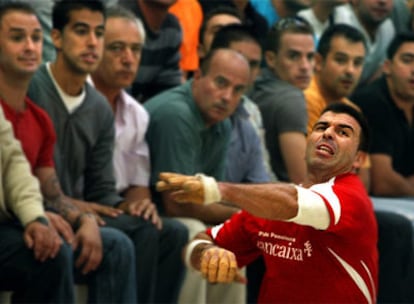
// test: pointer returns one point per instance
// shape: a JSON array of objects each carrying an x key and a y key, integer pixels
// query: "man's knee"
[
  {"x": 175, "y": 230},
  {"x": 116, "y": 240}
]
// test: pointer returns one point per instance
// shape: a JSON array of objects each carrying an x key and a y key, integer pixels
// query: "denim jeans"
[
  {"x": 114, "y": 281},
  {"x": 32, "y": 281},
  {"x": 159, "y": 266}
]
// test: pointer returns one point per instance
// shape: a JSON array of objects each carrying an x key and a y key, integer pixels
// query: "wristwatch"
[{"x": 42, "y": 220}]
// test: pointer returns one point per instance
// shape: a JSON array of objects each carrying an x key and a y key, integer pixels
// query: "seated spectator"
[
  {"x": 124, "y": 38},
  {"x": 159, "y": 68},
  {"x": 33, "y": 262},
  {"x": 278, "y": 93},
  {"x": 218, "y": 18},
  {"x": 95, "y": 258},
  {"x": 372, "y": 19},
  {"x": 213, "y": 21},
  {"x": 84, "y": 126},
  {"x": 244, "y": 161},
  {"x": 189, "y": 132},
  {"x": 306, "y": 234},
  {"x": 249, "y": 16},
  {"x": 338, "y": 65},
  {"x": 321, "y": 15},
  {"x": 388, "y": 104}
]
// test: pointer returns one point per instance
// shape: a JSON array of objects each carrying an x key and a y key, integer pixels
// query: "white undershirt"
[{"x": 71, "y": 102}]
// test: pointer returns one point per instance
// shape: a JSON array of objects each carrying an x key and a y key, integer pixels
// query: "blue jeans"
[
  {"x": 159, "y": 266},
  {"x": 114, "y": 281},
  {"x": 32, "y": 281}
]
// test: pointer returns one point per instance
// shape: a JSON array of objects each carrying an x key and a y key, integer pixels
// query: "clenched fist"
[
  {"x": 219, "y": 265},
  {"x": 198, "y": 189}
]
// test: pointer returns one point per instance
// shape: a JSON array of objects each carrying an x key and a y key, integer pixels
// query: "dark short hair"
[
  {"x": 396, "y": 43},
  {"x": 296, "y": 25},
  {"x": 62, "y": 9},
  {"x": 233, "y": 33},
  {"x": 346, "y": 31},
  {"x": 353, "y": 111},
  {"x": 219, "y": 10},
  {"x": 7, "y": 7}
]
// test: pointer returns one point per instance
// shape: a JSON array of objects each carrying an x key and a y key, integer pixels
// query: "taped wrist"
[
  {"x": 190, "y": 247},
  {"x": 211, "y": 190}
]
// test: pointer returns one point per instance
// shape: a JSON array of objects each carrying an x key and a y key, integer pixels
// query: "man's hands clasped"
[
  {"x": 87, "y": 237},
  {"x": 43, "y": 240}
]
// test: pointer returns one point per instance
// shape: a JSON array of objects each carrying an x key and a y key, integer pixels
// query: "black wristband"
[{"x": 42, "y": 220}]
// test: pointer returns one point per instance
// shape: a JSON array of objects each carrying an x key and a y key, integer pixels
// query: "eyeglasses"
[{"x": 291, "y": 23}]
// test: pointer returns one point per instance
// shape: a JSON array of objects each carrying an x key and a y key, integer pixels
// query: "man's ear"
[
  {"x": 360, "y": 160},
  {"x": 318, "y": 62},
  {"x": 56, "y": 36},
  {"x": 386, "y": 67},
  {"x": 197, "y": 74},
  {"x": 201, "y": 51},
  {"x": 270, "y": 58}
]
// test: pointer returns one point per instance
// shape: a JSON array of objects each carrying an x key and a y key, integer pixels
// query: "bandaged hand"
[
  {"x": 198, "y": 189},
  {"x": 219, "y": 265}
]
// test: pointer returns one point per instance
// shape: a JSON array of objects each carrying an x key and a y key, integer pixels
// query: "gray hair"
[{"x": 117, "y": 11}]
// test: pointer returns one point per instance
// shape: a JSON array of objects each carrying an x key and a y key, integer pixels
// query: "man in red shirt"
[
  {"x": 97, "y": 250},
  {"x": 318, "y": 239}
]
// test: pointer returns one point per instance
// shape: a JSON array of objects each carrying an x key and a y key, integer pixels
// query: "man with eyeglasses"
[{"x": 278, "y": 92}]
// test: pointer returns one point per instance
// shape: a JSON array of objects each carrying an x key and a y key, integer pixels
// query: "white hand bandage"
[{"x": 211, "y": 190}]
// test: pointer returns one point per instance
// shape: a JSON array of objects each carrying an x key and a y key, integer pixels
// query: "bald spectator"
[{"x": 189, "y": 133}]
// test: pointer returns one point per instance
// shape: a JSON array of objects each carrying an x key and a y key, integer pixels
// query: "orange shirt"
[
  {"x": 315, "y": 103},
  {"x": 190, "y": 16}
]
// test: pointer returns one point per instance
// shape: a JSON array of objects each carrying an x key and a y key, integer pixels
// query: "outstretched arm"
[
  {"x": 272, "y": 201},
  {"x": 277, "y": 201}
]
